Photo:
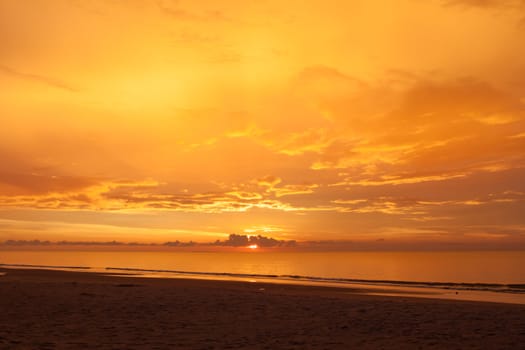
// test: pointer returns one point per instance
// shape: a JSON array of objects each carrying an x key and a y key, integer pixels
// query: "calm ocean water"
[
  {"x": 454, "y": 267},
  {"x": 496, "y": 276}
]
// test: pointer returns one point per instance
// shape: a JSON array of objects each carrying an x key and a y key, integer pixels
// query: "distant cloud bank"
[{"x": 233, "y": 240}]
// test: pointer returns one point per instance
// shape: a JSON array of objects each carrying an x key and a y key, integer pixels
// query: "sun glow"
[
  {"x": 253, "y": 246},
  {"x": 178, "y": 131}
]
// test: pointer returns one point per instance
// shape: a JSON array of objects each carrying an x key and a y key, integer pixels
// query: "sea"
[{"x": 493, "y": 276}]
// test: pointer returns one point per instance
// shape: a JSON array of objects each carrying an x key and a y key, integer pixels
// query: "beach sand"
[{"x": 41, "y": 309}]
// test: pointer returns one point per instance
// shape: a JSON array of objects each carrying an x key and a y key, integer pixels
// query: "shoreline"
[
  {"x": 479, "y": 292},
  {"x": 51, "y": 309}
]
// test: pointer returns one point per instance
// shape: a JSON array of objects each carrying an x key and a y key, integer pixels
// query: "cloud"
[
  {"x": 449, "y": 128},
  {"x": 173, "y": 9},
  {"x": 235, "y": 240},
  {"x": 484, "y": 3},
  {"x": 30, "y": 184},
  {"x": 60, "y": 192},
  {"x": 507, "y": 7},
  {"x": 268, "y": 181},
  {"x": 290, "y": 190},
  {"x": 366, "y": 143},
  {"x": 56, "y": 83},
  {"x": 327, "y": 82},
  {"x": 400, "y": 179},
  {"x": 66, "y": 226},
  {"x": 261, "y": 193},
  {"x": 270, "y": 184},
  {"x": 419, "y": 209},
  {"x": 70, "y": 193}
]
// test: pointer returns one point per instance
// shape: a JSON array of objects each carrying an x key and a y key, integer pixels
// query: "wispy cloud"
[
  {"x": 503, "y": 6},
  {"x": 173, "y": 9},
  {"x": 42, "y": 79},
  {"x": 422, "y": 210},
  {"x": 485, "y": 3},
  {"x": 92, "y": 194}
]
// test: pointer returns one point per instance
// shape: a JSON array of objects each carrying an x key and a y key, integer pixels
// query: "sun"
[{"x": 253, "y": 246}]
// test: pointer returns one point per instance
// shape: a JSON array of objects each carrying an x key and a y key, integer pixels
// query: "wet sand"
[{"x": 42, "y": 309}]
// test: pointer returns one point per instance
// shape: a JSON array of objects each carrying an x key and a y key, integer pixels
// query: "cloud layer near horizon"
[{"x": 314, "y": 121}]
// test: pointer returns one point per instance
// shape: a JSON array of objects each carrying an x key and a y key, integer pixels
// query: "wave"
[
  {"x": 47, "y": 266},
  {"x": 490, "y": 287}
]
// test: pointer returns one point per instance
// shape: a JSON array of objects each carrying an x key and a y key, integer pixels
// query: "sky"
[{"x": 363, "y": 121}]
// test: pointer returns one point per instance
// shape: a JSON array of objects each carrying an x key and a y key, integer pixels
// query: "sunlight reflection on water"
[
  {"x": 459, "y": 267},
  {"x": 362, "y": 288},
  {"x": 372, "y": 288}
]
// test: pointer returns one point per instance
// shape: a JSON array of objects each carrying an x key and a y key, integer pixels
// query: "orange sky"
[{"x": 360, "y": 120}]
